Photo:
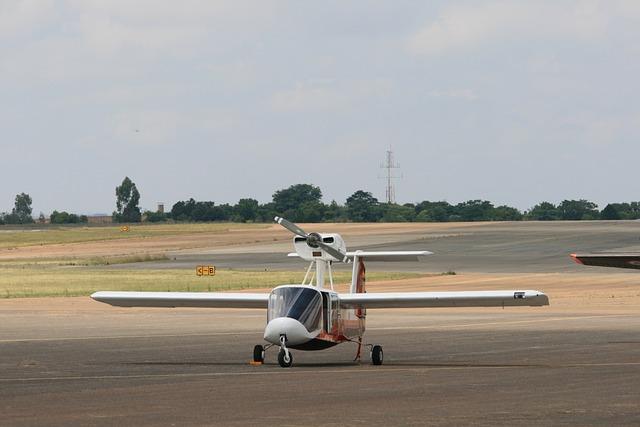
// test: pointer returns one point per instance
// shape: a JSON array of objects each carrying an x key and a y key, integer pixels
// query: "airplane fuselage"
[{"x": 311, "y": 319}]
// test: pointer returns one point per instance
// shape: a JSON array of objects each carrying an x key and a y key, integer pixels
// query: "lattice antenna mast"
[{"x": 389, "y": 165}]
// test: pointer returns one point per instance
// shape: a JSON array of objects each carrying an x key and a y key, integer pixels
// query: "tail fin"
[
  {"x": 361, "y": 278},
  {"x": 361, "y": 281},
  {"x": 358, "y": 276}
]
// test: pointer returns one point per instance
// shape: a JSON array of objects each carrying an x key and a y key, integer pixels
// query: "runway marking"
[
  {"x": 513, "y": 322},
  {"x": 230, "y": 374},
  {"x": 279, "y": 371}
]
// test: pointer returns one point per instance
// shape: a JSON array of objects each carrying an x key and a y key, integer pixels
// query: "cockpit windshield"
[{"x": 302, "y": 304}]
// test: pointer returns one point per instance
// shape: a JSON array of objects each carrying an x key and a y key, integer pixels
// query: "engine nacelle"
[{"x": 309, "y": 253}]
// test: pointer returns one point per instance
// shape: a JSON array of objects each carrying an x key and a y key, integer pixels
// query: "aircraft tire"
[
  {"x": 258, "y": 353},
  {"x": 377, "y": 355},
  {"x": 281, "y": 359}
]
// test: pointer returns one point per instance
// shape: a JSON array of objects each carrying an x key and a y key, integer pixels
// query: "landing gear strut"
[
  {"x": 285, "y": 358},
  {"x": 359, "y": 351}
]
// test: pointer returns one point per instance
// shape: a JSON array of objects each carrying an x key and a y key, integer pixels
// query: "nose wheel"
[{"x": 285, "y": 358}]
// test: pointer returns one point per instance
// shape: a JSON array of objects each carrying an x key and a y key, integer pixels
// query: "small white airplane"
[{"x": 309, "y": 316}]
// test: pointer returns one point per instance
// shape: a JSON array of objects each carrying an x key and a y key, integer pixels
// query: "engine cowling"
[{"x": 305, "y": 247}]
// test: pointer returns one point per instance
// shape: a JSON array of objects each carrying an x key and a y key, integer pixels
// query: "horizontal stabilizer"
[
  {"x": 183, "y": 299},
  {"x": 384, "y": 256},
  {"x": 444, "y": 299},
  {"x": 619, "y": 260}
]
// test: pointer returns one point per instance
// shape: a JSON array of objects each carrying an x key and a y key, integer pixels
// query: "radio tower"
[{"x": 389, "y": 165}]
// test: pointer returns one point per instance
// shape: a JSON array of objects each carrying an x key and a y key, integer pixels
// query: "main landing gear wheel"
[
  {"x": 377, "y": 355},
  {"x": 285, "y": 358},
  {"x": 258, "y": 354}
]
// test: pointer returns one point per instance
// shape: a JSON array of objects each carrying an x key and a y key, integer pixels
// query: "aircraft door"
[
  {"x": 335, "y": 314},
  {"x": 326, "y": 312}
]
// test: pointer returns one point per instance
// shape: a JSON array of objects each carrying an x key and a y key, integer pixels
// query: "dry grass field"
[
  {"x": 66, "y": 234},
  {"x": 35, "y": 280}
]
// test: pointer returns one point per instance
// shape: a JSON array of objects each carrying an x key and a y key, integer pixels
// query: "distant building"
[
  {"x": 99, "y": 219},
  {"x": 161, "y": 207}
]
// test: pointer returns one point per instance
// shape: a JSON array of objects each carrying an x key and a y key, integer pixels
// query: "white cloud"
[
  {"x": 106, "y": 36},
  {"x": 20, "y": 17},
  {"x": 309, "y": 96},
  {"x": 465, "y": 94},
  {"x": 147, "y": 127},
  {"x": 603, "y": 131},
  {"x": 165, "y": 27},
  {"x": 474, "y": 25},
  {"x": 147, "y": 27},
  {"x": 187, "y": 12},
  {"x": 329, "y": 94},
  {"x": 163, "y": 127}
]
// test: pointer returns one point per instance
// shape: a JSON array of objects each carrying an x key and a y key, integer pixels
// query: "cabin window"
[{"x": 302, "y": 304}]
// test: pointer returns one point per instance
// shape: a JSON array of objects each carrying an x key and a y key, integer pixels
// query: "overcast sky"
[{"x": 511, "y": 101}]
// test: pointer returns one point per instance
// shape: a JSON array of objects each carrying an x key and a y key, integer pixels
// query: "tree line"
[
  {"x": 21, "y": 214},
  {"x": 303, "y": 203}
]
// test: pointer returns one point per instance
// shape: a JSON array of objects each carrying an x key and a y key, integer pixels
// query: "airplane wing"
[
  {"x": 444, "y": 299},
  {"x": 183, "y": 299},
  {"x": 383, "y": 256},
  {"x": 618, "y": 260}
]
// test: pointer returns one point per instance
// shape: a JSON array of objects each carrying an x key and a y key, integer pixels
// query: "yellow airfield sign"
[
  {"x": 205, "y": 270},
  {"x": 124, "y": 228}
]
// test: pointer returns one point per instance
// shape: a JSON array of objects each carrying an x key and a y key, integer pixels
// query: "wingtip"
[
  {"x": 100, "y": 296},
  {"x": 541, "y": 298},
  {"x": 576, "y": 258}
]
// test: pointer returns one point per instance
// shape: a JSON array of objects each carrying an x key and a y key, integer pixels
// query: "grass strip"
[
  {"x": 82, "y": 281},
  {"x": 85, "y": 262},
  {"x": 50, "y": 235}
]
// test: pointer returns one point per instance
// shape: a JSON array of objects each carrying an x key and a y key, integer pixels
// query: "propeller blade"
[
  {"x": 334, "y": 252},
  {"x": 300, "y": 232},
  {"x": 291, "y": 226}
]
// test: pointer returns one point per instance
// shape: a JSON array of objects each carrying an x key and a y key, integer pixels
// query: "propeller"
[
  {"x": 291, "y": 227},
  {"x": 313, "y": 239}
]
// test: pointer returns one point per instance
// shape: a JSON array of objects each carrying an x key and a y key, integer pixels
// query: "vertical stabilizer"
[{"x": 360, "y": 278}]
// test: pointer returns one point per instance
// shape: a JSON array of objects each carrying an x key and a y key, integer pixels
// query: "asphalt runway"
[
  {"x": 515, "y": 247},
  {"x": 73, "y": 363}
]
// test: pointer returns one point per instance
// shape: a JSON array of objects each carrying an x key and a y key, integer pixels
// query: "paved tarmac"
[
  {"x": 526, "y": 247},
  {"x": 72, "y": 363}
]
